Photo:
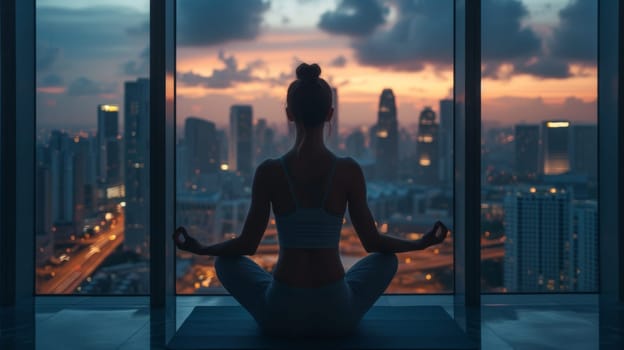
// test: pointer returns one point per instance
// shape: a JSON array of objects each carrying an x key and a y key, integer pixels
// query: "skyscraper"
[
  {"x": 445, "y": 137},
  {"x": 264, "y": 141},
  {"x": 356, "y": 144},
  {"x": 240, "y": 140},
  {"x": 555, "y": 147},
  {"x": 136, "y": 136},
  {"x": 538, "y": 225},
  {"x": 527, "y": 151},
  {"x": 202, "y": 147},
  {"x": 584, "y": 247},
  {"x": 584, "y": 150},
  {"x": 386, "y": 137},
  {"x": 62, "y": 178},
  {"x": 427, "y": 148},
  {"x": 109, "y": 165}
]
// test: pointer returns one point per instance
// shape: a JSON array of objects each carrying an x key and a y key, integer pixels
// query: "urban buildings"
[
  {"x": 427, "y": 149},
  {"x": 527, "y": 147},
  {"x": 136, "y": 161},
  {"x": 385, "y": 138},
  {"x": 240, "y": 140},
  {"x": 556, "y": 147},
  {"x": 109, "y": 152}
]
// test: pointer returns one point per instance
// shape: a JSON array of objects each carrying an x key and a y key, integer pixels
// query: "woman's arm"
[
  {"x": 366, "y": 229},
  {"x": 253, "y": 229}
]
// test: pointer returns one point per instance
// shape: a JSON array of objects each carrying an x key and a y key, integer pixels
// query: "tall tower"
[
  {"x": 240, "y": 140},
  {"x": 109, "y": 164},
  {"x": 136, "y": 136},
  {"x": 584, "y": 150},
  {"x": 445, "y": 137},
  {"x": 202, "y": 147},
  {"x": 537, "y": 226},
  {"x": 555, "y": 147},
  {"x": 62, "y": 178},
  {"x": 427, "y": 148},
  {"x": 334, "y": 137},
  {"x": 386, "y": 136},
  {"x": 584, "y": 247},
  {"x": 527, "y": 151}
]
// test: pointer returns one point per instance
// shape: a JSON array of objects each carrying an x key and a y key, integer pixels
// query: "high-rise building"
[
  {"x": 62, "y": 178},
  {"x": 136, "y": 147},
  {"x": 427, "y": 148},
  {"x": 386, "y": 138},
  {"x": 555, "y": 147},
  {"x": 264, "y": 141},
  {"x": 356, "y": 144},
  {"x": 538, "y": 225},
  {"x": 240, "y": 140},
  {"x": 583, "y": 268},
  {"x": 43, "y": 209},
  {"x": 334, "y": 129},
  {"x": 584, "y": 150},
  {"x": 527, "y": 142},
  {"x": 445, "y": 137},
  {"x": 260, "y": 129},
  {"x": 109, "y": 164},
  {"x": 202, "y": 147}
]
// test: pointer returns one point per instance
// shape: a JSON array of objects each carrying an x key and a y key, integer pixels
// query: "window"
[
  {"x": 392, "y": 77},
  {"x": 539, "y": 133},
  {"x": 92, "y": 147}
]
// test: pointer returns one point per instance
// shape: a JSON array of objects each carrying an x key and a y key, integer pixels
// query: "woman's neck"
[{"x": 309, "y": 141}]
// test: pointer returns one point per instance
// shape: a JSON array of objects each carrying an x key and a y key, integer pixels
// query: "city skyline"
[{"x": 214, "y": 168}]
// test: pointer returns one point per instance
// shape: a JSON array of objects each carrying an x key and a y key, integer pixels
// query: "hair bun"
[{"x": 307, "y": 72}]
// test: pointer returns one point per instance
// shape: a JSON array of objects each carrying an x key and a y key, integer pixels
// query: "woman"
[{"x": 309, "y": 189}]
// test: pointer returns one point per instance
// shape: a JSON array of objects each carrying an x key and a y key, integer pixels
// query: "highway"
[{"x": 70, "y": 274}]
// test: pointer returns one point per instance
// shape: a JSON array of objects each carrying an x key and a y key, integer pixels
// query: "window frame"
[{"x": 17, "y": 202}]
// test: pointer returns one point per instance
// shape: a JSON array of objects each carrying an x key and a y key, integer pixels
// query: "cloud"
[
  {"x": 576, "y": 37},
  {"x": 503, "y": 36},
  {"x": 545, "y": 67},
  {"x": 51, "y": 80},
  {"x": 511, "y": 110},
  {"x": 223, "y": 78},
  {"x": 354, "y": 17},
  {"x": 338, "y": 61},
  {"x": 204, "y": 23},
  {"x": 83, "y": 86},
  {"x": 90, "y": 32},
  {"x": 47, "y": 56},
  {"x": 420, "y": 36},
  {"x": 140, "y": 30},
  {"x": 138, "y": 67}
]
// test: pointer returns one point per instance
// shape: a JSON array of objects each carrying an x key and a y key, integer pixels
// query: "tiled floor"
[{"x": 507, "y": 321}]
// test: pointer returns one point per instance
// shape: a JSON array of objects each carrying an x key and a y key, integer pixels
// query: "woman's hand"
[
  {"x": 436, "y": 235},
  {"x": 185, "y": 242}
]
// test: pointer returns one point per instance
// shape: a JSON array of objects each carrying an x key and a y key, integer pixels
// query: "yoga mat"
[{"x": 383, "y": 327}]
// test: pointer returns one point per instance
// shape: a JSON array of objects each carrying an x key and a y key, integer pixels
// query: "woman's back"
[{"x": 317, "y": 182}]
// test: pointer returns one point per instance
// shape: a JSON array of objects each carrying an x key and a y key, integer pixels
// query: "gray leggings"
[{"x": 284, "y": 310}]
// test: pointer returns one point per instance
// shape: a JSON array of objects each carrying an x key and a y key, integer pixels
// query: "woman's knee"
[
  {"x": 224, "y": 264},
  {"x": 388, "y": 260}
]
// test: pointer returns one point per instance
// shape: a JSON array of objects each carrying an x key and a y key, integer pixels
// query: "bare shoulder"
[
  {"x": 267, "y": 170},
  {"x": 351, "y": 166}
]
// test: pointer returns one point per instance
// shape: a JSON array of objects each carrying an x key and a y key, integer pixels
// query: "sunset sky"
[{"x": 539, "y": 57}]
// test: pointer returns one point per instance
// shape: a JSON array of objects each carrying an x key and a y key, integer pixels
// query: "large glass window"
[
  {"x": 390, "y": 64},
  {"x": 92, "y": 147},
  {"x": 539, "y": 135}
]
